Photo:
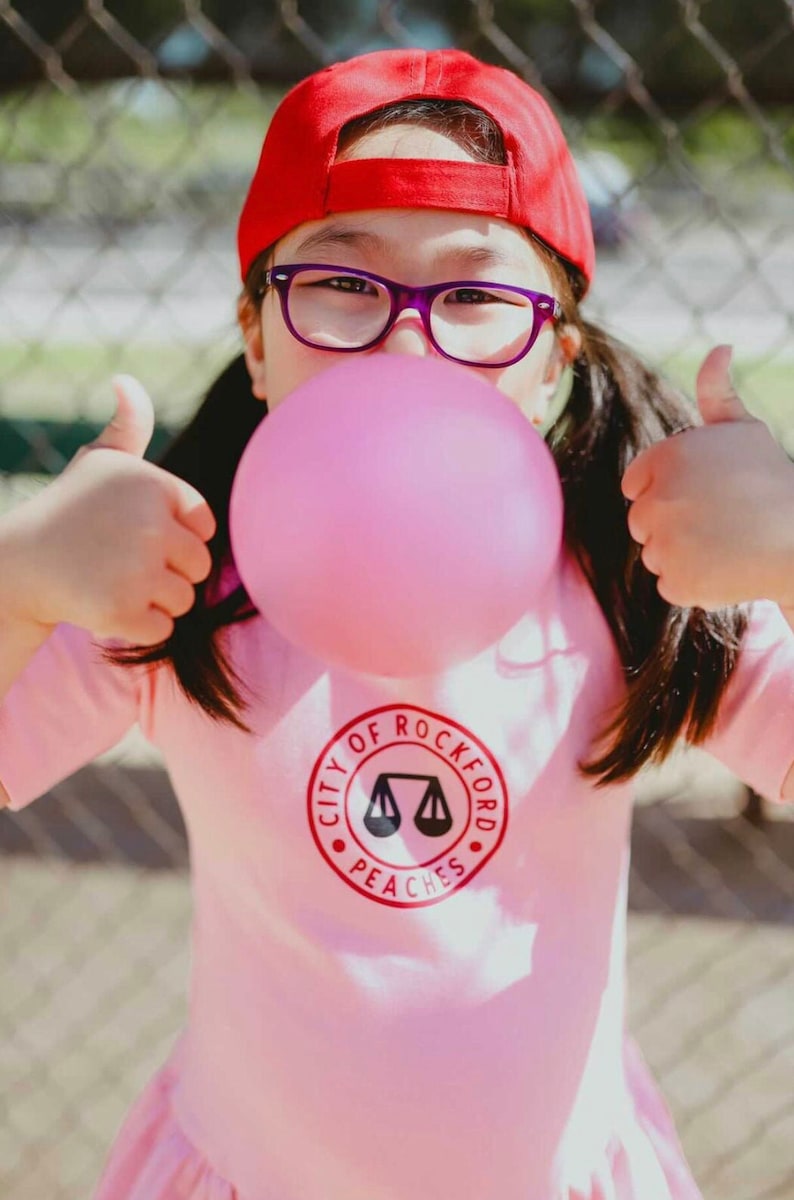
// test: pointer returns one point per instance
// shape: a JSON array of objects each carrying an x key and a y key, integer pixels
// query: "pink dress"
[{"x": 409, "y": 916}]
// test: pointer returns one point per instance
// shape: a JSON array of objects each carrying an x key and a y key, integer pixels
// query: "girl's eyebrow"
[
  {"x": 476, "y": 256},
  {"x": 340, "y": 235},
  {"x": 459, "y": 257}
]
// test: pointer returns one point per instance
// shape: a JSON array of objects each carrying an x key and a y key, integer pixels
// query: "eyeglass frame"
[{"x": 403, "y": 297}]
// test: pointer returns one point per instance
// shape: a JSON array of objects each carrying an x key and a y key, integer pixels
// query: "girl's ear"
[
  {"x": 565, "y": 348},
  {"x": 250, "y": 324}
]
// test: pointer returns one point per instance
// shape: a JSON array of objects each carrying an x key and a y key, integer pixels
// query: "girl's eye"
[
  {"x": 347, "y": 283},
  {"x": 472, "y": 296}
]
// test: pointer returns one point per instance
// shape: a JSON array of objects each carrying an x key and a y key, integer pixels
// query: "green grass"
[
  {"x": 68, "y": 381},
  {"x": 149, "y": 124},
  {"x": 724, "y": 146},
  {"x": 130, "y": 149},
  {"x": 55, "y": 399}
]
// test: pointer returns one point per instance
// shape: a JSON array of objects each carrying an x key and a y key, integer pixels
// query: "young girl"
[{"x": 448, "y": 1023}]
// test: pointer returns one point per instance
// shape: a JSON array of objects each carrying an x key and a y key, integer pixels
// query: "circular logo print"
[{"x": 406, "y": 805}]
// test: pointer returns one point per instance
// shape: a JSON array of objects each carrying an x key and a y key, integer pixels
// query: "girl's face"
[{"x": 414, "y": 247}]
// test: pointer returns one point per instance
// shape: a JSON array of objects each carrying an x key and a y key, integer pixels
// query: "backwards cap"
[{"x": 298, "y": 179}]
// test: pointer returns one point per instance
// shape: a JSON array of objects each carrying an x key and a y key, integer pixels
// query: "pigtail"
[{"x": 676, "y": 661}]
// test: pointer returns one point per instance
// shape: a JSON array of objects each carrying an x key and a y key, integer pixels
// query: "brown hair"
[{"x": 676, "y": 661}]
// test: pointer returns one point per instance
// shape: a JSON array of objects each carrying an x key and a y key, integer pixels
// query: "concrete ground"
[{"x": 93, "y": 923}]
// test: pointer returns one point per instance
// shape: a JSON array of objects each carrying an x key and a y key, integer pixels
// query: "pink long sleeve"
[
  {"x": 754, "y": 736},
  {"x": 68, "y": 706}
]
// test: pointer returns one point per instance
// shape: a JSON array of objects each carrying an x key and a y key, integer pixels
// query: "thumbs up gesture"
[
  {"x": 114, "y": 544},
  {"x": 713, "y": 507}
]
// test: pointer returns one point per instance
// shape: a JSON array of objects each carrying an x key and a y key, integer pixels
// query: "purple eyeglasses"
[{"x": 473, "y": 322}]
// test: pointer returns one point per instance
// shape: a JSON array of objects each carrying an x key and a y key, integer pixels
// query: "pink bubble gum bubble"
[{"x": 395, "y": 515}]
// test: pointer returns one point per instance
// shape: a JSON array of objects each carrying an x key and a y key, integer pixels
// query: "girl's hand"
[
  {"x": 114, "y": 544},
  {"x": 713, "y": 507}
]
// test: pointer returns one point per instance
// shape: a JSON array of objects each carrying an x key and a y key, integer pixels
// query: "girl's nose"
[{"x": 408, "y": 336}]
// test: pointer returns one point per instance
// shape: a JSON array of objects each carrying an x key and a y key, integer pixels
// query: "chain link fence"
[{"x": 127, "y": 135}]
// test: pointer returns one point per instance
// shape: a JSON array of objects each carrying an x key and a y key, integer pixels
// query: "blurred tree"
[{"x": 682, "y": 49}]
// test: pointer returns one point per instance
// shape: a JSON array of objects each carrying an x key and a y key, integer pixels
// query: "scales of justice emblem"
[
  {"x": 406, "y": 805},
  {"x": 383, "y": 816}
]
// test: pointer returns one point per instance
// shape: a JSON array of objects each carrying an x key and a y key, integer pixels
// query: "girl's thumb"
[
  {"x": 132, "y": 424},
  {"x": 716, "y": 396}
]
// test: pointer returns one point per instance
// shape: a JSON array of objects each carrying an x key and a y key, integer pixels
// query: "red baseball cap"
[{"x": 298, "y": 179}]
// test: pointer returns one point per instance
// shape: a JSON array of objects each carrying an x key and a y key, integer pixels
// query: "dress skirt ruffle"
[{"x": 153, "y": 1159}]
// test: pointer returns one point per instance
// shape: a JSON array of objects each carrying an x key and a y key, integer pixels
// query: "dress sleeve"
[
  {"x": 67, "y": 706},
  {"x": 754, "y": 735}
]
